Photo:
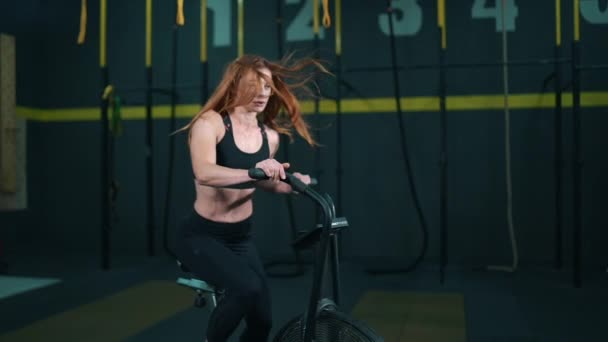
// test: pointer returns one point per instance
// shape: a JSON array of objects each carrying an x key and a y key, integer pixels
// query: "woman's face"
[{"x": 258, "y": 104}]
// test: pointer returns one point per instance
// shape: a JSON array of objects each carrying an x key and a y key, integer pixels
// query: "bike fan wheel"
[{"x": 331, "y": 326}]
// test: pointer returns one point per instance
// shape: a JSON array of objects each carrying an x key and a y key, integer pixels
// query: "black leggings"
[{"x": 224, "y": 255}]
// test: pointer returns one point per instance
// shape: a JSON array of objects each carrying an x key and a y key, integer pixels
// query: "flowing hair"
[{"x": 290, "y": 78}]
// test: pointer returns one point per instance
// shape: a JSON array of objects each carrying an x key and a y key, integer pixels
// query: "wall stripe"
[{"x": 349, "y": 106}]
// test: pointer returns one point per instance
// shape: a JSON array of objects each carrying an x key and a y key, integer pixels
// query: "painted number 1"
[{"x": 221, "y": 27}]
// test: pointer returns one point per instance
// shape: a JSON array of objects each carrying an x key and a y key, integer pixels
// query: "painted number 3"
[{"x": 407, "y": 18}]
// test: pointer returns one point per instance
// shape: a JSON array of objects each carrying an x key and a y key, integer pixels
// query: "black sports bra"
[{"x": 229, "y": 155}]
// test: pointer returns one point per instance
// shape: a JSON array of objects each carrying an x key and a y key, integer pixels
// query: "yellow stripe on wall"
[{"x": 349, "y": 106}]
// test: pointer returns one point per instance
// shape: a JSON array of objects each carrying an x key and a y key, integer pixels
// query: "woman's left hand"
[{"x": 304, "y": 178}]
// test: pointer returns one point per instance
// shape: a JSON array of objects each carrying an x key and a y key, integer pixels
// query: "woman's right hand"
[{"x": 273, "y": 169}]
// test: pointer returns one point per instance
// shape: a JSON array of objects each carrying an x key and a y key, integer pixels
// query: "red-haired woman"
[{"x": 238, "y": 129}]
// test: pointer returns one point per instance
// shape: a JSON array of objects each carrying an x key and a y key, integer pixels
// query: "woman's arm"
[
  {"x": 278, "y": 186},
  {"x": 204, "y": 137}
]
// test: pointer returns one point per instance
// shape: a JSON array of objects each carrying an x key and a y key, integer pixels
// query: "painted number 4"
[{"x": 480, "y": 10}]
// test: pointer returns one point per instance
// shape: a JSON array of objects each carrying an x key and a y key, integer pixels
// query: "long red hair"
[{"x": 290, "y": 78}]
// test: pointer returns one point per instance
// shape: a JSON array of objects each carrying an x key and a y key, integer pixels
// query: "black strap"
[
  {"x": 262, "y": 128},
  {"x": 227, "y": 122}
]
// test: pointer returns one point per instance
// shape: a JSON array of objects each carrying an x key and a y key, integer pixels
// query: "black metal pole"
[
  {"x": 576, "y": 164},
  {"x": 150, "y": 221},
  {"x": 339, "y": 132},
  {"x": 443, "y": 161},
  {"x": 395, "y": 74},
  {"x": 318, "y": 274},
  {"x": 280, "y": 44},
  {"x": 335, "y": 264},
  {"x": 558, "y": 161},
  {"x": 405, "y": 155},
  {"x": 299, "y": 270},
  {"x": 317, "y": 115},
  {"x": 204, "y": 82},
  {"x": 105, "y": 177},
  {"x": 285, "y": 139},
  {"x": 510, "y": 63},
  {"x": 171, "y": 154}
]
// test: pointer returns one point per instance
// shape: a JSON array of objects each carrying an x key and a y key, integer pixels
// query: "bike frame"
[{"x": 328, "y": 242}]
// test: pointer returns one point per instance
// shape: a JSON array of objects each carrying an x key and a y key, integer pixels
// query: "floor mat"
[
  {"x": 113, "y": 318},
  {"x": 412, "y": 316},
  {"x": 10, "y": 286}
]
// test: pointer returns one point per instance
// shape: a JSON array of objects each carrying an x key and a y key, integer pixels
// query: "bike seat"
[{"x": 193, "y": 282}]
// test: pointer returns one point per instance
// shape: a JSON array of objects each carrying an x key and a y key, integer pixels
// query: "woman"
[{"x": 237, "y": 129}]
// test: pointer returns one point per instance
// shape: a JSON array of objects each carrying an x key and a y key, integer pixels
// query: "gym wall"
[{"x": 59, "y": 88}]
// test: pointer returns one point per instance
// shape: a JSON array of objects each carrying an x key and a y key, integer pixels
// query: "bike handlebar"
[
  {"x": 305, "y": 189},
  {"x": 292, "y": 180}
]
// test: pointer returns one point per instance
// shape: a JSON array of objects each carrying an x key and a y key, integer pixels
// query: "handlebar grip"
[
  {"x": 295, "y": 183},
  {"x": 256, "y": 173},
  {"x": 292, "y": 180}
]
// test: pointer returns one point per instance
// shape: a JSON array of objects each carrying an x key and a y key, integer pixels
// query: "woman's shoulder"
[
  {"x": 210, "y": 117},
  {"x": 208, "y": 121}
]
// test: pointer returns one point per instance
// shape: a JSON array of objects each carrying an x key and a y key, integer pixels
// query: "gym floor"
[{"x": 138, "y": 300}]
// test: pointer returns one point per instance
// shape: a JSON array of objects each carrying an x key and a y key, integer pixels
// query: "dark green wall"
[{"x": 63, "y": 157}]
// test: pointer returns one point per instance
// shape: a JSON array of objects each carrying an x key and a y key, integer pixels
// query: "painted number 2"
[
  {"x": 481, "y": 11},
  {"x": 301, "y": 26}
]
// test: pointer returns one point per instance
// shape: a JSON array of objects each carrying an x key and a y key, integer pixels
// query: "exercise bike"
[{"x": 322, "y": 320}]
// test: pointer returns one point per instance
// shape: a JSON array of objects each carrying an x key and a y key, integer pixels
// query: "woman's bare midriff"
[{"x": 222, "y": 204}]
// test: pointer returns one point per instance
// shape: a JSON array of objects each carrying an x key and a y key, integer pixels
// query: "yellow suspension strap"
[
  {"x": 83, "y": 22},
  {"x": 203, "y": 31},
  {"x": 180, "y": 20},
  {"x": 204, "y": 76},
  {"x": 441, "y": 22},
  {"x": 326, "y": 17},
  {"x": 114, "y": 102}
]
